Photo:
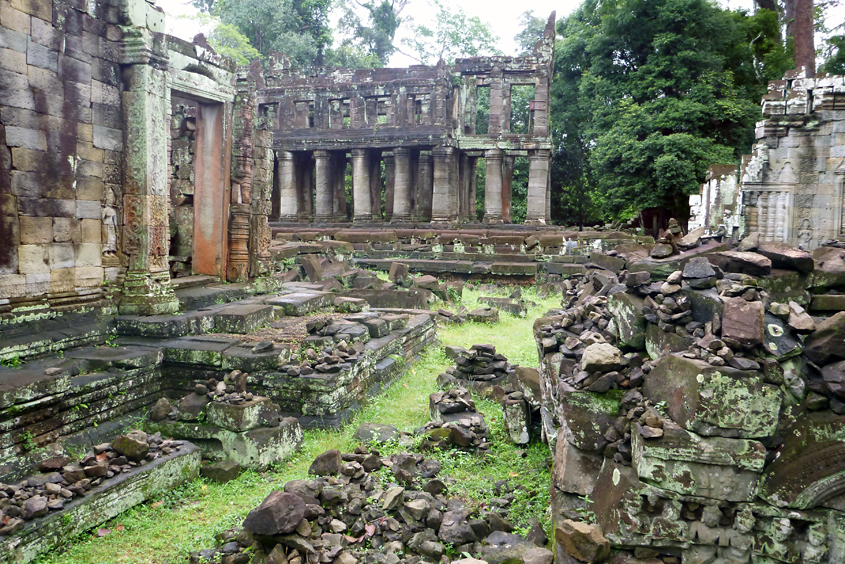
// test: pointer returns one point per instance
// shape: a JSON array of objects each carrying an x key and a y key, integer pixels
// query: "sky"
[{"x": 501, "y": 15}]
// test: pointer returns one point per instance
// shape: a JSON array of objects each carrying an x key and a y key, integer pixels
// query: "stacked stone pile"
[
  {"x": 703, "y": 419},
  {"x": 330, "y": 360},
  {"x": 61, "y": 480},
  {"x": 480, "y": 363},
  {"x": 455, "y": 421},
  {"x": 347, "y": 514}
]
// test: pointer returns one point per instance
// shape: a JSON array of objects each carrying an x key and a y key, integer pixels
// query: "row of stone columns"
[{"x": 436, "y": 186}]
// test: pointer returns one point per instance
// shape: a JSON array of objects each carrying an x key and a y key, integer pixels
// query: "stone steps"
[
  {"x": 200, "y": 296},
  {"x": 100, "y": 504},
  {"x": 241, "y": 317}
]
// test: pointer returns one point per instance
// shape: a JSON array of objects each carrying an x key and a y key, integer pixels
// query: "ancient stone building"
[
  {"x": 792, "y": 185},
  {"x": 128, "y": 156},
  {"x": 412, "y": 136}
]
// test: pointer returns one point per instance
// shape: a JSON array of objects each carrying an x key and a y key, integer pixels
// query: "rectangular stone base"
[{"x": 101, "y": 504}]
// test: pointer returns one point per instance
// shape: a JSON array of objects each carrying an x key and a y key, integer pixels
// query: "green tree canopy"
[
  {"x": 298, "y": 28},
  {"x": 370, "y": 44},
  {"x": 649, "y": 94},
  {"x": 454, "y": 35}
]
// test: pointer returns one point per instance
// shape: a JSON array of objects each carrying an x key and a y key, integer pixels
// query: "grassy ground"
[{"x": 167, "y": 529}]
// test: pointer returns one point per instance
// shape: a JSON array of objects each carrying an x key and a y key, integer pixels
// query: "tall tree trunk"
[{"x": 799, "y": 26}]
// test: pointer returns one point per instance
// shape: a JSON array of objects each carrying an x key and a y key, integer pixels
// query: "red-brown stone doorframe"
[{"x": 212, "y": 162}]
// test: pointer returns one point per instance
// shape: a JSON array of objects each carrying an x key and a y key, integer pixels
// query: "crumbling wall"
[
  {"x": 183, "y": 125},
  {"x": 718, "y": 206},
  {"x": 792, "y": 183}
]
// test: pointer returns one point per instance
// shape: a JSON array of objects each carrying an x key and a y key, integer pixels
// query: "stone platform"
[{"x": 100, "y": 504}]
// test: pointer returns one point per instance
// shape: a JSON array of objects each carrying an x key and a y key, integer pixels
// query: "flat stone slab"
[
  {"x": 100, "y": 504},
  {"x": 514, "y": 268},
  {"x": 301, "y": 303},
  {"x": 687, "y": 464},
  {"x": 103, "y": 358},
  {"x": 828, "y": 302},
  {"x": 242, "y": 318},
  {"x": 206, "y": 351}
]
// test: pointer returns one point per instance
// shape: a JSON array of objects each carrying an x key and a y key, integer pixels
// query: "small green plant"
[
  {"x": 110, "y": 340},
  {"x": 27, "y": 441},
  {"x": 586, "y": 514},
  {"x": 13, "y": 361}
]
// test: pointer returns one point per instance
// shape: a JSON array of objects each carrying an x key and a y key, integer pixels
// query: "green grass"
[{"x": 167, "y": 529}]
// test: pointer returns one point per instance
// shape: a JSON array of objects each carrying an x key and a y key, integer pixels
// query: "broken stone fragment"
[
  {"x": 131, "y": 447},
  {"x": 601, "y": 357},
  {"x": 800, "y": 320},
  {"x": 326, "y": 464},
  {"x": 160, "y": 410},
  {"x": 278, "y": 514},
  {"x": 582, "y": 541}
]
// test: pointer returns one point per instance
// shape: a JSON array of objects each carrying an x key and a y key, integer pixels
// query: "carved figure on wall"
[
  {"x": 805, "y": 234},
  {"x": 109, "y": 225}
]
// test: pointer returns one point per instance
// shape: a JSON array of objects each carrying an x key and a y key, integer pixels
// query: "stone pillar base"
[
  {"x": 362, "y": 219},
  {"x": 146, "y": 293},
  {"x": 492, "y": 220},
  {"x": 535, "y": 222}
]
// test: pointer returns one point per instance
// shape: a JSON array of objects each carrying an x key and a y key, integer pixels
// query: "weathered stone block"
[
  {"x": 743, "y": 322},
  {"x": 687, "y": 464},
  {"x": 825, "y": 344},
  {"x": 239, "y": 418},
  {"x": 627, "y": 311},
  {"x": 710, "y": 400},
  {"x": 301, "y": 303},
  {"x": 575, "y": 470},
  {"x": 27, "y": 138},
  {"x": 586, "y": 416},
  {"x": 36, "y": 230},
  {"x": 88, "y": 254},
  {"x": 61, "y": 255},
  {"x": 242, "y": 318},
  {"x": 32, "y": 259},
  {"x": 14, "y": 19},
  {"x": 42, "y": 57}
]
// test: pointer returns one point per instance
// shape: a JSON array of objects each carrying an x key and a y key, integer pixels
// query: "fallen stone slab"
[
  {"x": 828, "y": 302},
  {"x": 101, "y": 503},
  {"x": 300, "y": 303},
  {"x": 508, "y": 305},
  {"x": 204, "y": 351},
  {"x": 242, "y": 318},
  {"x": 784, "y": 256},
  {"x": 223, "y": 471},
  {"x": 739, "y": 262},
  {"x": 484, "y": 315}
]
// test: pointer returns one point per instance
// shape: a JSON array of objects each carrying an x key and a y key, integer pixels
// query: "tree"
[
  {"x": 227, "y": 40},
  {"x": 454, "y": 35},
  {"x": 373, "y": 43},
  {"x": 647, "y": 95},
  {"x": 298, "y": 28},
  {"x": 532, "y": 30}
]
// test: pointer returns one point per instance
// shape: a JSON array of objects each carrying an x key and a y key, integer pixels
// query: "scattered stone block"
[
  {"x": 223, "y": 471},
  {"x": 484, "y": 315},
  {"x": 743, "y": 322}
]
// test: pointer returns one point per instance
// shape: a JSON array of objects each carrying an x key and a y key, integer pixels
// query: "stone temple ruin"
[{"x": 184, "y": 277}]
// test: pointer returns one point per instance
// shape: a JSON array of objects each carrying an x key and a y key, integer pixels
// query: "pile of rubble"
[
  {"x": 480, "y": 367},
  {"x": 60, "y": 480},
  {"x": 455, "y": 421},
  {"x": 330, "y": 360},
  {"x": 362, "y": 507},
  {"x": 695, "y": 403}
]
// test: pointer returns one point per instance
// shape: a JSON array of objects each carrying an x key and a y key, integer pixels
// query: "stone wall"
[
  {"x": 792, "y": 184},
  {"x": 61, "y": 149}
]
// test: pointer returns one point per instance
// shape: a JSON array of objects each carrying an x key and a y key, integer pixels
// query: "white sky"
[{"x": 503, "y": 17}]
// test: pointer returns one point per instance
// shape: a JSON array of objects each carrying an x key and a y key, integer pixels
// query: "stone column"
[
  {"x": 375, "y": 184},
  {"x": 401, "y": 185},
  {"x": 288, "y": 199},
  {"x": 389, "y": 180},
  {"x": 471, "y": 212},
  {"x": 305, "y": 176},
  {"x": 507, "y": 187},
  {"x": 444, "y": 201},
  {"x": 493, "y": 187},
  {"x": 361, "y": 205},
  {"x": 339, "y": 166},
  {"x": 538, "y": 173},
  {"x": 146, "y": 222},
  {"x": 426, "y": 186},
  {"x": 324, "y": 208}
]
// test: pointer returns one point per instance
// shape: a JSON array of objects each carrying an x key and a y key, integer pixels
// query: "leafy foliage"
[
  {"x": 648, "y": 95},
  {"x": 531, "y": 31},
  {"x": 454, "y": 35},
  {"x": 298, "y": 28},
  {"x": 370, "y": 44}
]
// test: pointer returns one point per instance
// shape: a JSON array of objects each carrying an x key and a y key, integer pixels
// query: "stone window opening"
[
  {"x": 422, "y": 107},
  {"x": 482, "y": 110},
  {"x": 377, "y": 110},
  {"x": 304, "y": 110},
  {"x": 340, "y": 116},
  {"x": 522, "y": 109}
]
